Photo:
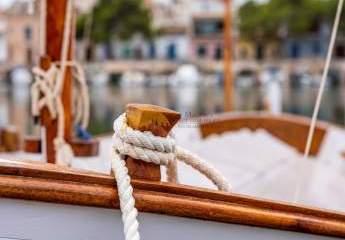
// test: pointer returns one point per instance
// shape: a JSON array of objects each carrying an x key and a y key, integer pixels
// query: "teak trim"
[
  {"x": 50, "y": 183},
  {"x": 289, "y": 128}
]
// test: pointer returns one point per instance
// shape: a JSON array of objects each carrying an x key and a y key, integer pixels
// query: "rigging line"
[{"x": 319, "y": 96}]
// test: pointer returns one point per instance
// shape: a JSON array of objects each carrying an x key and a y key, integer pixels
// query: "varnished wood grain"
[
  {"x": 32, "y": 144},
  {"x": 54, "y": 30},
  {"x": 151, "y": 118},
  {"x": 47, "y": 121},
  {"x": 44, "y": 182},
  {"x": 9, "y": 139},
  {"x": 291, "y": 129},
  {"x": 82, "y": 148}
]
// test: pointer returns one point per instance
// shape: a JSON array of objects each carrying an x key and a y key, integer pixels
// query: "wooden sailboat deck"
[
  {"x": 49, "y": 183},
  {"x": 255, "y": 163}
]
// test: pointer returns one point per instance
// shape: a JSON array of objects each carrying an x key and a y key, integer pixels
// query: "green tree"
[
  {"x": 117, "y": 18},
  {"x": 276, "y": 19}
]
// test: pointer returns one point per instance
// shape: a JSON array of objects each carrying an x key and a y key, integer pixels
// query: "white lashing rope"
[
  {"x": 149, "y": 148},
  {"x": 320, "y": 92},
  {"x": 82, "y": 98},
  {"x": 47, "y": 88}
]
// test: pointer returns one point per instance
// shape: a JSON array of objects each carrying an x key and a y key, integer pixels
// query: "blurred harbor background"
[{"x": 170, "y": 53}]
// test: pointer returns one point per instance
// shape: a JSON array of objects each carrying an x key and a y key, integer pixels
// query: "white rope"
[
  {"x": 82, "y": 98},
  {"x": 149, "y": 148},
  {"x": 320, "y": 92},
  {"x": 47, "y": 88},
  {"x": 203, "y": 167},
  {"x": 65, "y": 46}
]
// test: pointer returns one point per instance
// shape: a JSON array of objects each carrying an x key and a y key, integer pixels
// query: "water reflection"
[{"x": 108, "y": 101}]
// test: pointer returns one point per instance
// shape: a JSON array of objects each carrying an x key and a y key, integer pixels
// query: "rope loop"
[
  {"x": 154, "y": 149},
  {"x": 142, "y": 139}
]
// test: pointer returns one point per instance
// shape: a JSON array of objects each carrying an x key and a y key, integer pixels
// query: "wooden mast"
[
  {"x": 228, "y": 77},
  {"x": 55, "y": 19}
]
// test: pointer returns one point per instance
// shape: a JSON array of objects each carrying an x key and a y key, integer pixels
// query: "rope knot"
[
  {"x": 149, "y": 148},
  {"x": 142, "y": 145},
  {"x": 46, "y": 92},
  {"x": 42, "y": 90}
]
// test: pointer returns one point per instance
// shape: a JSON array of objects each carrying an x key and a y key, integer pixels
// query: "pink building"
[{"x": 207, "y": 37}]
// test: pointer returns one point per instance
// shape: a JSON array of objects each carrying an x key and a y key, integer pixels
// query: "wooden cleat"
[
  {"x": 85, "y": 148},
  {"x": 159, "y": 121},
  {"x": 32, "y": 144},
  {"x": 9, "y": 139},
  {"x": 80, "y": 147}
]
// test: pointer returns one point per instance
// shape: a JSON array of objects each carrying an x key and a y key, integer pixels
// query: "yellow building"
[{"x": 249, "y": 50}]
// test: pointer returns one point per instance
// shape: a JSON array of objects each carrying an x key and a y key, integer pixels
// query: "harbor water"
[{"x": 108, "y": 100}]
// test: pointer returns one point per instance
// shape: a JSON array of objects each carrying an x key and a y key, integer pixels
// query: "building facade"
[
  {"x": 19, "y": 33},
  {"x": 207, "y": 37},
  {"x": 193, "y": 31}
]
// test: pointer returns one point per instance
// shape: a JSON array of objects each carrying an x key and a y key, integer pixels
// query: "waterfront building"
[
  {"x": 310, "y": 45},
  {"x": 207, "y": 37},
  {"x": 19, "y": 31}
]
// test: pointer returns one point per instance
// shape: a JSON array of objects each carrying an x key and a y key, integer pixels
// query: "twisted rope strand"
[
  {"x": 144, "y": 140},
  {"x": 204, "y": 168},
  {"x": 149, "y": 148},
  {"x": 127, "y": 201}
]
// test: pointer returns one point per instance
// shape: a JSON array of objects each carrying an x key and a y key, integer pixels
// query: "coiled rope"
[
  {"x": 149, "y": 148},
  {"x": 47, "y": 88}
]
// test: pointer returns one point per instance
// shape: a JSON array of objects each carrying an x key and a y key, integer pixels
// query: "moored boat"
[
  {"x": 167, "y": 207},
  {"x": 89, "y": 196},
  {"x": 164, "y": 204}
]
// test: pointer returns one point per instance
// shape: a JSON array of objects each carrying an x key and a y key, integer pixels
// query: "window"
[
  {"x": 28, "y": 33},
  {"x": 126, "y": 52},
  {"x": 152, "y": 51},
  {"x": 259, "y": 52},
  {"x": 138, "y": 53},
  {"x": 201, "y": 51},
  {"x": 295, "y": 50},
  {"x": 218, "y": 55},
  {"x": 208, "y": 27},
  {"x": 29, "y": 56},
  {"x": 171, "y": 51},
  {"x": 316, "y": 48}
]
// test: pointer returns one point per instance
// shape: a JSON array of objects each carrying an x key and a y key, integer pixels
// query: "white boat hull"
[{"x": 22, "y": 219}]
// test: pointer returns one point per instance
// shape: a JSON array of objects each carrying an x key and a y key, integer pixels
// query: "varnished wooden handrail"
[
  {"x": 45, "y": 182},
  {"x": 291, "y": 129}
]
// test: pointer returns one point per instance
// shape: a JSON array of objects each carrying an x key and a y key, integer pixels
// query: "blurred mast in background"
[{"x": 228, "y": 78}]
